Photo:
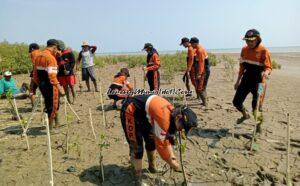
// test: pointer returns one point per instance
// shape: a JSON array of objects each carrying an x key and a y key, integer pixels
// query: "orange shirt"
[
  {"x": 34, "y": 54},
  {"x": 190, "y": 58},
  {"x": 46, "y": 62},
  {"x": 122, "y": 81},
  {"x": 154, "y": 63},
  {"x": 200, "y": 55},
  {"x": 259, "y": 56},
  {"x": 158, "y": 112}
]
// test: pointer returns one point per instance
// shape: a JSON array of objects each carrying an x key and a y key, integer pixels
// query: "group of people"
[
  {"x": 153, "y": 120},
  {"x": 149, "y": 119}
]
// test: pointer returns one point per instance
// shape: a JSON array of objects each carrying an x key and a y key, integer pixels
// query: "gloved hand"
[{"x": 172, "y": 140}]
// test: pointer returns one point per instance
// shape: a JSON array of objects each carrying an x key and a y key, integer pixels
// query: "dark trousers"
[
  {"x": 243, "y": 90},
  {"x": 137, "y": 130},
  {"x": 153, "y": 80}
]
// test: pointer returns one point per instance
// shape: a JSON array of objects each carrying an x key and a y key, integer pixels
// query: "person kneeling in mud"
[
  {"x": 153, "y": 120},
  {"x": 8, "y": 84},
  {"x": 255, "y": 66},
  {"x": 120, "y": 83}
]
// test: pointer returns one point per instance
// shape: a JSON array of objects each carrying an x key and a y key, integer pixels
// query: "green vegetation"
[
  {"x": 229, "y": 64},
  {"x": 275, "y": 65},
  {"x": 15, "y": 57}
]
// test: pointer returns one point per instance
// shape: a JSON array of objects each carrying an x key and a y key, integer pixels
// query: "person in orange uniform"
[
  {"x": 152, "y": 119},
  {"x": 152, "y": 68},
  {"x": 255, "y": 66},
  {"x": 120, "y": 83},
  {"x": 185, "y": 42},
  {"x": 34, "y": 51},
  {"x": 202, "y": 71},
  {"x": 45, "y": 76}
]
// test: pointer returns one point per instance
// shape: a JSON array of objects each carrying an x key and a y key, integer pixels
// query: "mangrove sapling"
[
  {"x": 45, "y": 119},
  {"x": 103, "y": 143},
  {"x": 182, "y": 148}
]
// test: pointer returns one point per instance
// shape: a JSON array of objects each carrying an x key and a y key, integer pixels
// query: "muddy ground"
[{"x": 216, "y": 151}]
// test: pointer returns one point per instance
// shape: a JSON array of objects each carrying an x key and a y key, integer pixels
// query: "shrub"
[{"x": 275, "y": 65}]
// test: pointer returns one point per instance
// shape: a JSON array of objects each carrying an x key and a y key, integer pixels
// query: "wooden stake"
[
  {"x": 102, "y": 106},
  {"x": 92, "y": 126},
  {"x": 288, "y": 181},
  {"x": 49, "y": 149},
  {"x": 21, "y": 122}
]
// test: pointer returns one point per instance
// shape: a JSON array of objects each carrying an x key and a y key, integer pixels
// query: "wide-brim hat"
[
  {"x": 7, "y": 74},
  {"x": 85, "y": 43}
]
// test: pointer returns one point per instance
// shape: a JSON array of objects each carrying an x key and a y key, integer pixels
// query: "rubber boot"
[
  {"x": 151, "y": 161},
  {"x": 202, "y": 96},
  {"x": 50, "y": 124},
  {"x": 258, "y": 128},
  {"x": 57, "y": 123}
]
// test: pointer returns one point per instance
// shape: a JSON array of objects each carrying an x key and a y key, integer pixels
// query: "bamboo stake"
[
  {"x": 288, "y": 181},
  {"x": 102, "y": 106},
  {"x": 71, "y": 108},
  {"x": 21, "y": 123},
  {"x": 181, "y": 160},
  {"x": 49, "y": 149},
  {"x": 92, "y": 126},
  {"x": 67, "y": 121},
  {"x": 31, "y": 116}
]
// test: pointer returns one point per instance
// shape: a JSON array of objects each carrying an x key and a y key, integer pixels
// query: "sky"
[{"x": 125, "y": 25}]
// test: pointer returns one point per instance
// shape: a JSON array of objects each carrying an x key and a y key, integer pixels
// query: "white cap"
[{"x": 7, "y": 73}]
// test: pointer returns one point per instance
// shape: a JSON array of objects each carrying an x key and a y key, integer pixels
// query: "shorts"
[
  {"x": 67, "y": 80},
  {"x": 87, "y": 73}
]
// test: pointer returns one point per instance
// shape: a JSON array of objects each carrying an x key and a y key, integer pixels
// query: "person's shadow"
[
  {"x": 17, "y": 130},
  {"x": 113, "y": 175}
]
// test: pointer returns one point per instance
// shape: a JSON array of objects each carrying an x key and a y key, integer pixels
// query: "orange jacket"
[
  {"x": 154, "y": 63},
  {"x": 200, "y": 55},
  {"x": 259, "y": 56},
  {"x": 158, "y": 112},
  {"x": 34, "y": 54},
  {"x": 46, "y": 62},
  {"x": 190, "y": 58},
  {"x": 122, "y": 81}
]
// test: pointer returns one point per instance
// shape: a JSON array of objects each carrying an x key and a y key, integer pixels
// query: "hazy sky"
[{"x": 125, "y": 25}]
